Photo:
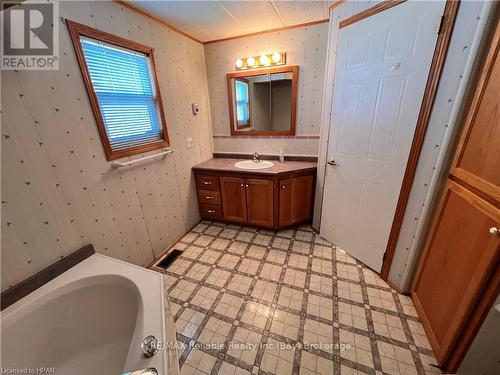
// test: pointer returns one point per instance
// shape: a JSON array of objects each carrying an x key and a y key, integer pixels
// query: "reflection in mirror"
[
  {"x": 242, "y": 96},
  {"x": 262, "y": 103}
]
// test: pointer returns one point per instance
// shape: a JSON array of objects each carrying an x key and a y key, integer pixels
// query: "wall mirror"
[{"x": 263, "y": 102}]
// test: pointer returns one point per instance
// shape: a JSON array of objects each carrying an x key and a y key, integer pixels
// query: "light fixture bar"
[{"x": 262, "y": 61}]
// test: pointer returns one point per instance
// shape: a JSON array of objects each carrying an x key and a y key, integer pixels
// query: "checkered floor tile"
[{"x": 250, "y": 301}]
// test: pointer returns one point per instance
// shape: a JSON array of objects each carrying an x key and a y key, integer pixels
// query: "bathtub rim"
[{"x": 145, "y": 281}]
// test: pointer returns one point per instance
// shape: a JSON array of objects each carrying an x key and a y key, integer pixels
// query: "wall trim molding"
[
  {"x": 39, "y": 279},
  {"x": 284, "y": 28},
  {"x": 301, "y": 136},
  {"x": 246, "y": 155},
  {"x": 178, "y": 31},
  {"x": 380, "y": 7},
  {"x": 157, "y": 20}
]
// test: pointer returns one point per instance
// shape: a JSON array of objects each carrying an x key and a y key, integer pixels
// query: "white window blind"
[{"x": 122, "y": 80}]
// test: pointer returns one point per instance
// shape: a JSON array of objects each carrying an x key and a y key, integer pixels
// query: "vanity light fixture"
[
  {"x": 266, "y": 60},
  {"x": 250, "y": 62}
]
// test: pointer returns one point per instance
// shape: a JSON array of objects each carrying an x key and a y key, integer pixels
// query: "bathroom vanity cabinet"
[{"x": 273, "y": 198}]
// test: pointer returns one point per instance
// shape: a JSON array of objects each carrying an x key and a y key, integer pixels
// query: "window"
[
  {"x": 121, "y": 82},
  {"x": 242, "y": 103}
]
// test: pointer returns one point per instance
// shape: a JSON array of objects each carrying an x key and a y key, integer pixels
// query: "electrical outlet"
[{"x": 189, "y": 142}]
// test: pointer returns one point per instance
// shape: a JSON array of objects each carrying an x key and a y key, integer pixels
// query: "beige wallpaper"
[
  {"x": 305, "y": 47},
  {"x": 58, "y": 190}
]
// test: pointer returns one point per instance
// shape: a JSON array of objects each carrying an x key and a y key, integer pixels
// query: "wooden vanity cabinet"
[
  {"x": 295, "y": 200},
  {"x": 260, "y": 202},
  {"x": 233, "y": 193},
  {"x": 264, "y": 201}
]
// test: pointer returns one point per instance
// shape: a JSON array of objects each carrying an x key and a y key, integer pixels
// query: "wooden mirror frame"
[{"x": 294, "y": 69}]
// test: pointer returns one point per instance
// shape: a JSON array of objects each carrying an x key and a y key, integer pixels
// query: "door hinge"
[{"x": 441, "y": 23}]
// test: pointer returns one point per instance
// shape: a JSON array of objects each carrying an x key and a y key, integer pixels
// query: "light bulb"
[
  {"x": 239, "y": 63},
  {"x": 276, "y": 57},
  {"x": 264, "y": 60},
  {"x": 250, "y": 61}
]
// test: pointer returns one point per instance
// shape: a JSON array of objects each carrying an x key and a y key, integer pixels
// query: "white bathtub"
[{"x": 91, "y": 320}]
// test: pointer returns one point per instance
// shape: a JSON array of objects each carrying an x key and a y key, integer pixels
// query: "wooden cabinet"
[
  {"x": 260, "y": 202},
  {"x": 458, "y": 277},
  {"x": 247, "y": 198},
  {"x": 207, "y": 182},
  {"x": 460, "y": 256},
  {"x": 295, "y": 200},
  {"x": 234, "y": 199}
]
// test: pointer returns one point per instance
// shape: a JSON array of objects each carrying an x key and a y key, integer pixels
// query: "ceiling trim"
[
  {"x": 336, "y": 4},
  {"x": 163, "y": 23},
  {"x": 144, "y": 14},
  {"x": 296, "y": 26}
]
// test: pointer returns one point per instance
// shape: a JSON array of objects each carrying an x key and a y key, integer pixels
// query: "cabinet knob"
[
  {"x": 282, "y": 186},
  {"x": 242, "y": 185},
  {"x": 210, "y": 211},
  {"x": 209, "y": 197},
  {"x": 246, "y": 185},
  {"x": 493, "y": 230},
  {"x": 207, "y": 182}
]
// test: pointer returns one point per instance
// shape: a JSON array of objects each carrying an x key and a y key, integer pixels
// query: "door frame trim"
[
  {"x": 487, "y": 294},
  {"x": 438, "y": 60},
  {"x": 380, "y": 7}
]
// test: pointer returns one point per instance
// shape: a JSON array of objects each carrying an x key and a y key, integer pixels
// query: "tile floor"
[{"x": 248, "y": 301}]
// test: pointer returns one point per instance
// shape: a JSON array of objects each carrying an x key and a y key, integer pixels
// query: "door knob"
[
  {"x": 331, "y": 162},
  {"x": 493, "y": 230}
]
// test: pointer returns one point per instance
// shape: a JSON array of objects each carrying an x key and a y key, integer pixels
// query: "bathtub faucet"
[
  {"x": 149, "y": 346},
  {"x": 145, "y": 371}
]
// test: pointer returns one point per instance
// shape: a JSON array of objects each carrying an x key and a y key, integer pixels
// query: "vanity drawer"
[
  {"x": 211, "y": 211},
  {"x": 207, "y": 182},
  {"x": 209, "y": 196}
]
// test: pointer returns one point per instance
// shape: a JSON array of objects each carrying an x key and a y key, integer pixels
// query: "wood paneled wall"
[{"x": 58, "y": 190}]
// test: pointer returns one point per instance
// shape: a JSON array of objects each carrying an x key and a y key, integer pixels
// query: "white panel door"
[{"x": 382, "y": 67}]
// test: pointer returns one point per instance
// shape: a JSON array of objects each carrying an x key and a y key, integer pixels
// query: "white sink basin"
[{"x": 250, "y": 164}]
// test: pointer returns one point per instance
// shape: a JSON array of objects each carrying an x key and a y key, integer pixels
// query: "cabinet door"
[
  {"x": 295, "y": 200},
  {"x": 478, "y": 158},
  {"x": 260, "y": 202},
  {"x": 461, "y": 252},
  {"x": 233, "y": 199}
]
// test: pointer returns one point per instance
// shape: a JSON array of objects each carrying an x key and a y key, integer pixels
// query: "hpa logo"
[{"x": 30, "y": 35}]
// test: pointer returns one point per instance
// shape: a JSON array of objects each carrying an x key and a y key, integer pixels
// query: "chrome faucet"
[
  {"x": 256, "y": 157},
  {"x": 149, "y": 346}
]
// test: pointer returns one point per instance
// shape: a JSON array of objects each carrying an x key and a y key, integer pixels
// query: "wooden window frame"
[
  {"x": 248, "y": 123},
  {"x": 76, "y": 31}
]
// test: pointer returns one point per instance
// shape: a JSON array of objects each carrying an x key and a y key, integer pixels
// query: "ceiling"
[{"x": 212, "y": 20}]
